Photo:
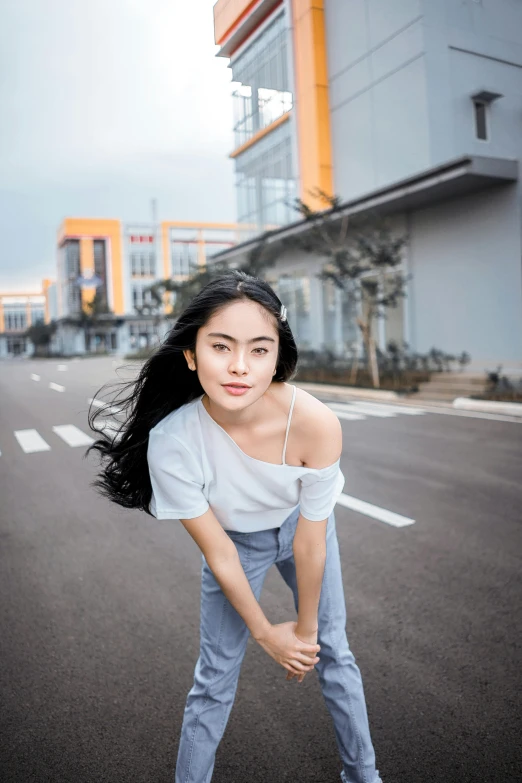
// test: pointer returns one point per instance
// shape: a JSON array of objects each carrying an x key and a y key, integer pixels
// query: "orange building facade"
[
  {"x": 120, "y": 261},
  {"x": 277, "y": 53}
]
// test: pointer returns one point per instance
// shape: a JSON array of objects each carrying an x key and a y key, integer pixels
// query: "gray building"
[{"x": 406, "y": 108}]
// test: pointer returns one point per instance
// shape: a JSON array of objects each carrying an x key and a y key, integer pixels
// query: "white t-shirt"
[{"x": 195, "y": 464}]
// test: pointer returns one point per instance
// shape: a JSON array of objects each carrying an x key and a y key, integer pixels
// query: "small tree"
[
  {"x": 40, "y": 334},
  {"x": 94, "y": 311},
  {"x": 259, "y": 258},
  {"x": 363, "y": 259}
]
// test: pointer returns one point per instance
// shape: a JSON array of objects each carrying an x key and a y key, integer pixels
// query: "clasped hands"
[{"x": 294, "y": 650}]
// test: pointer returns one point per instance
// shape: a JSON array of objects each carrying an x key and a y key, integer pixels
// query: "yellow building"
[{"x": 121, "y": 260}]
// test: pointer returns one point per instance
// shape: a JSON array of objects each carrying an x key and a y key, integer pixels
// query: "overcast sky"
[{"x": 103, "y": 105}]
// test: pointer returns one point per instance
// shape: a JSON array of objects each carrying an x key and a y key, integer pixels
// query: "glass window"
[
  {"x": 264, "y": 92},
  {"x": 265, "y": 182}
]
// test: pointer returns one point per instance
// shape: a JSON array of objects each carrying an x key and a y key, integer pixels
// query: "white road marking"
[
  {"x": 349, "y": 416},
  {"x": 369, "y": 510},
  {"x": 35, "y": 377},
  {"x": 381, "y": 406},
  {"x": 31, "y": 441},
  {"x": 62, "y": 368},
  {"x": 414, "y": 411},
  {"x": 56, "y": 387},
  {"x": 72, "y": 435},
  {"x": 100, "y": 404},
  {"x": 112, "y": 427},
  {"x": 361, "y": 407}
]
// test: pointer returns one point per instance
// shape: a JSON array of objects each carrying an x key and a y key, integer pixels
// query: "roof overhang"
[
  {"x": 456, "y": 178},
  {"x": 230, "y": 32}
]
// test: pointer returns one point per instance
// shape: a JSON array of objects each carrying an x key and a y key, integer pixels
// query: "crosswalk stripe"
[
  {"x": 56, "y": 387},
  {"x": 349, "y": 416},
  {"x": 72, "y": 435},
  {"x": 100, "y": 404},
  {"x": 376, "y": 512},
  {"x": 361, "y": 408},
  {"x": 31, "y": 441},
  {"x": 403, "y": 410},
  {"x": 111, "y": 426}
]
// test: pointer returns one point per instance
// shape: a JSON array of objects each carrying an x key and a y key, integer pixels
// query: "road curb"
[{"x": 488, "y": 406}]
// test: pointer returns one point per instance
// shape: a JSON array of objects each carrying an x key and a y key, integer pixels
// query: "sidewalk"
[{"x": 350, "y": 393}]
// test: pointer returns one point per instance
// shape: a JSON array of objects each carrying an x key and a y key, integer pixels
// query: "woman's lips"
[{"x": 236, "y": 390}]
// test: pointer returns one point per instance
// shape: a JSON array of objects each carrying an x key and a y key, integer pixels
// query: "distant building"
[
  {"x": 19, "y": 311},
  {"x": 119, "y": 262},
  {"x": 410, "y": 109},
  {"x": 124, "y": 259}
]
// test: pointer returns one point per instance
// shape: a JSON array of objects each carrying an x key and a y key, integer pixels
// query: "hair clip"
[{"x": 282, "y": 314}]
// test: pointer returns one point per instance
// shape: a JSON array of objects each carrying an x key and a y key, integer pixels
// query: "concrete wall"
[
  {"x": 401, "y": 75},
  {"x": 378, "y": 92},
  {"x": 470, "y": 46},
  {"x": 466, "y": 291}
]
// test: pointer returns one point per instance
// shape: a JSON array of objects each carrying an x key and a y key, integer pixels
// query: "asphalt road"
[{"x": 99, "y": 609}]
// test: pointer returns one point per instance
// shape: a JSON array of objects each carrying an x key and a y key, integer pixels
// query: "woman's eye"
[{"x": 221, "y": 345}]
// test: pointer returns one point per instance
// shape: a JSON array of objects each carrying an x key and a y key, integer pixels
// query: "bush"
[
  {"x": 501, "y": 388},
  {"x": 399, "y": 369}
]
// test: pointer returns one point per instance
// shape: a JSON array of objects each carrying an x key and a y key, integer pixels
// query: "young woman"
[{"x": 217, "y": 438}]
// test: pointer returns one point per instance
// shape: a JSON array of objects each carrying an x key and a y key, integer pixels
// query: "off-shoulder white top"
[{"x": 195, "y": 464}]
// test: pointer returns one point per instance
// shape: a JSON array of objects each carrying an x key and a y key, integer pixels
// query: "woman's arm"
[
  {"x": 309, "y": 548},
  {"x": 323, "y": 447},
  {"x": 279, "y": 641}
]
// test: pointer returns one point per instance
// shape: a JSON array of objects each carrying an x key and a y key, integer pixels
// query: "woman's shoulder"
[
  {"x": 318, "y": 429},
  {"x": 179, "y": 423}
]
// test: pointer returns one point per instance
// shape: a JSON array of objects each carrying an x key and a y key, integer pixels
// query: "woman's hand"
[
  {"x": 295, "y": 655},
  {"x": 309, "y": 638}
]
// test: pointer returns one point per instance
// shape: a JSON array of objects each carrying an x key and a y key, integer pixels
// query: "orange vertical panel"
[
  {"x": 312, "y": 101},
  {"x": 87, "y": 265},
  {"x": 114, "y": 236}
]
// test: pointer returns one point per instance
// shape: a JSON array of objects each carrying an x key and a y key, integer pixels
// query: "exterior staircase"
[{"x": 446, "y": 386}]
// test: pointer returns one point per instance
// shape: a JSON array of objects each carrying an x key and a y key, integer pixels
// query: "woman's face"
[{"x": 239, "y": 344}]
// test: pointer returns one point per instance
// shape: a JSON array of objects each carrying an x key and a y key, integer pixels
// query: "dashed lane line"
[
  {"x": 56, "y": 387},
  {"x": 62, "y": 368},
  {"x": 31, "y": 441},
  {"x": 35, "y": 377},
  {"x": 376, "y": 512},
  {"x": 72, "y": 435}
]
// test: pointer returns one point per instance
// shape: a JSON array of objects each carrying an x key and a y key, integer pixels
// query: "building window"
[
  {"x": 481, "y": 125},
  {"x": 183, "y": 257},
  {"x": 266, "y": 187},
  {"x": 143, "y": 264},
  {"x": 264, "y": 92},
  {"x": 15, "y": 321}
]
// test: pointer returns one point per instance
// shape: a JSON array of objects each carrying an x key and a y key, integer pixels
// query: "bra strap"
[{"x": 288, "y": 423}]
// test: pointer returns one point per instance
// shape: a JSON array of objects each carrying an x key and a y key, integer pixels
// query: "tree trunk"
[
  {"x": 371, "y": 353},
  {"x": 373, "y": 364},
  {"x": 355, "y": 366}
]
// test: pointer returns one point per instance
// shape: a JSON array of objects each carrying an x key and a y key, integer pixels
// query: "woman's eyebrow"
[{"x": 233, "y": 339}]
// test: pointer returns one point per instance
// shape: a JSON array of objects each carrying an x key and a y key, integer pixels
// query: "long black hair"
[{"x": 165, "y": 383}]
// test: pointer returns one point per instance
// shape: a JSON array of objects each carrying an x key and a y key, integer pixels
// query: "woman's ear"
[{"x": 189, "y": 356}]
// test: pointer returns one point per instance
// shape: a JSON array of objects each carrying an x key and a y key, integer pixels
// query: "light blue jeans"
[{"x": 223, "y": 640}]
